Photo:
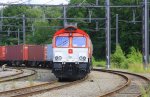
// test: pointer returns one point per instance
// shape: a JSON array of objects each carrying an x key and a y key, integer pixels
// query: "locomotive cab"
[{"x": 72, "y": 52}]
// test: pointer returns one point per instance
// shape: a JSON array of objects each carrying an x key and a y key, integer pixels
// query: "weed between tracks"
[
  {"x": 144, "y": 93},
  {"x": 31, "y": 82},
  {"x": 13, "y": 84}
]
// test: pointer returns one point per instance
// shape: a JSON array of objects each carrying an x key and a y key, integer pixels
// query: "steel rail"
[
  {"x": 20, "y": 72},
  {"x": 138, "y": 75},
  {"x": 22, "y": 91},
  {"x": 16, "y": 78},
  {"x": 119, "y": 88},
  {"x": 123, "y": 72},
  {"x": 25, "y": 88}
]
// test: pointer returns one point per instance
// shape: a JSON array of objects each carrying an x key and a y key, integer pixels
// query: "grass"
[
  {"x": 138, "y": 68},
  {"x": 13, "y": 85},
  {"x": 30, "y": 81},
  {"x": 99, "y": 63},
  {"x": 135, "y": 68},
  {"x": 144, "y": 93}
]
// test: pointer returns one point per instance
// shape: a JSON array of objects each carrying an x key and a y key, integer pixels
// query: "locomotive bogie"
[{"x": 71, "y": 70}]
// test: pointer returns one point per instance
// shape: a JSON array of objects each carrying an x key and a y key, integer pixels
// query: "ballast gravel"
[
  {"x": 8, "y": 72},
  {"x": 97, "y": 84},
  {"x": 42, "y": 76}
]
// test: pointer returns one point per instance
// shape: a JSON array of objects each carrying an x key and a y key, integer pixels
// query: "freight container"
[
  {"x": 36, "y": 53},
  {"x": 49, "y": 52},
  {"x": 17, "y": 53},
  {"x": 2, "y": 53}
]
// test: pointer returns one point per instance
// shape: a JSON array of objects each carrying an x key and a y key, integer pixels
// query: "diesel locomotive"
[{"x": 72, "y": 53}]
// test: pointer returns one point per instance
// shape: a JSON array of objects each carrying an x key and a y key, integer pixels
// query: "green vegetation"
[
  {"x": 144, "y": 93},
  {"x": 138, "y": 68},
  {"x": 134, "y": 56},
  {"x": 118, "y": 59},
  {"x": 38, "y": 30},
  {"x": 132, "y": 61},
  {"x": 39, "y": 33},
  {"x": 98, "y": 63}
]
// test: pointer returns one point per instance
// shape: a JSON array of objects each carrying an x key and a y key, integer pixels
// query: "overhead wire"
[{"x": 60, "y": 16}]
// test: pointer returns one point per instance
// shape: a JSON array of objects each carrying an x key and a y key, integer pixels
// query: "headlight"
[
  {"x": 82, "y": 58},
  {"x": 58, "y": 58}
]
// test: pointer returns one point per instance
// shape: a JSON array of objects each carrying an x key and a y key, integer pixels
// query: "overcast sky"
[{"x": 36, "y": 1}]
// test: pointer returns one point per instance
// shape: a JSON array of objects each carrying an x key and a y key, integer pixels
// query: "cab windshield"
[
  {"x": 62, "y": 41},
  {"x": 79, "y": 41}
]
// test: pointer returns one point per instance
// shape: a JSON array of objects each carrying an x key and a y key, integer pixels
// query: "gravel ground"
[
  {"x": 16, "y": 84},
  {"x": 97, "y": 84},
  {"x": 146, "y": 75},
  {"x": 42, "y": 76},
  {"x": 8, "y": 72},
  {"x": 8, "y": 69},
  {"x": 134, "y": 89}
]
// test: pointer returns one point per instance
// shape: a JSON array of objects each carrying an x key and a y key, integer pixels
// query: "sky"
[{"x": 55, "y": 2}]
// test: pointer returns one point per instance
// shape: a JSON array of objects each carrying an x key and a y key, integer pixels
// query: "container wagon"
[
  {"x": 29, "y": 55},
  {"x": 36, "y": 55},
  {"x": 40, "y": 55},
  {"x": 17, "y": 54}
]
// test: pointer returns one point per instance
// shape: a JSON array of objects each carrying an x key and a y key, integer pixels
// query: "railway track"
[
  {"x": 37, "y": 89},
  {"x": 17, "y": 76},
  {"x": 18, "y": 72},
  {"x": 28, "y": 91},
  {"x": 132, "y": 88},
  {"x": 135, "y": 89},
  {"x": 121, "y": 91}
]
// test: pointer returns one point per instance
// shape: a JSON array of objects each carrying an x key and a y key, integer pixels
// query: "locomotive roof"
[{"x": 72, "y": 30}]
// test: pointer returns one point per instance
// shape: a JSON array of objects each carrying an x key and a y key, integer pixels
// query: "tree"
[
  {"x": 118, "y": 59},
  {"x": 134, "y": 56},
  {"x": 43, "y": 34}
]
